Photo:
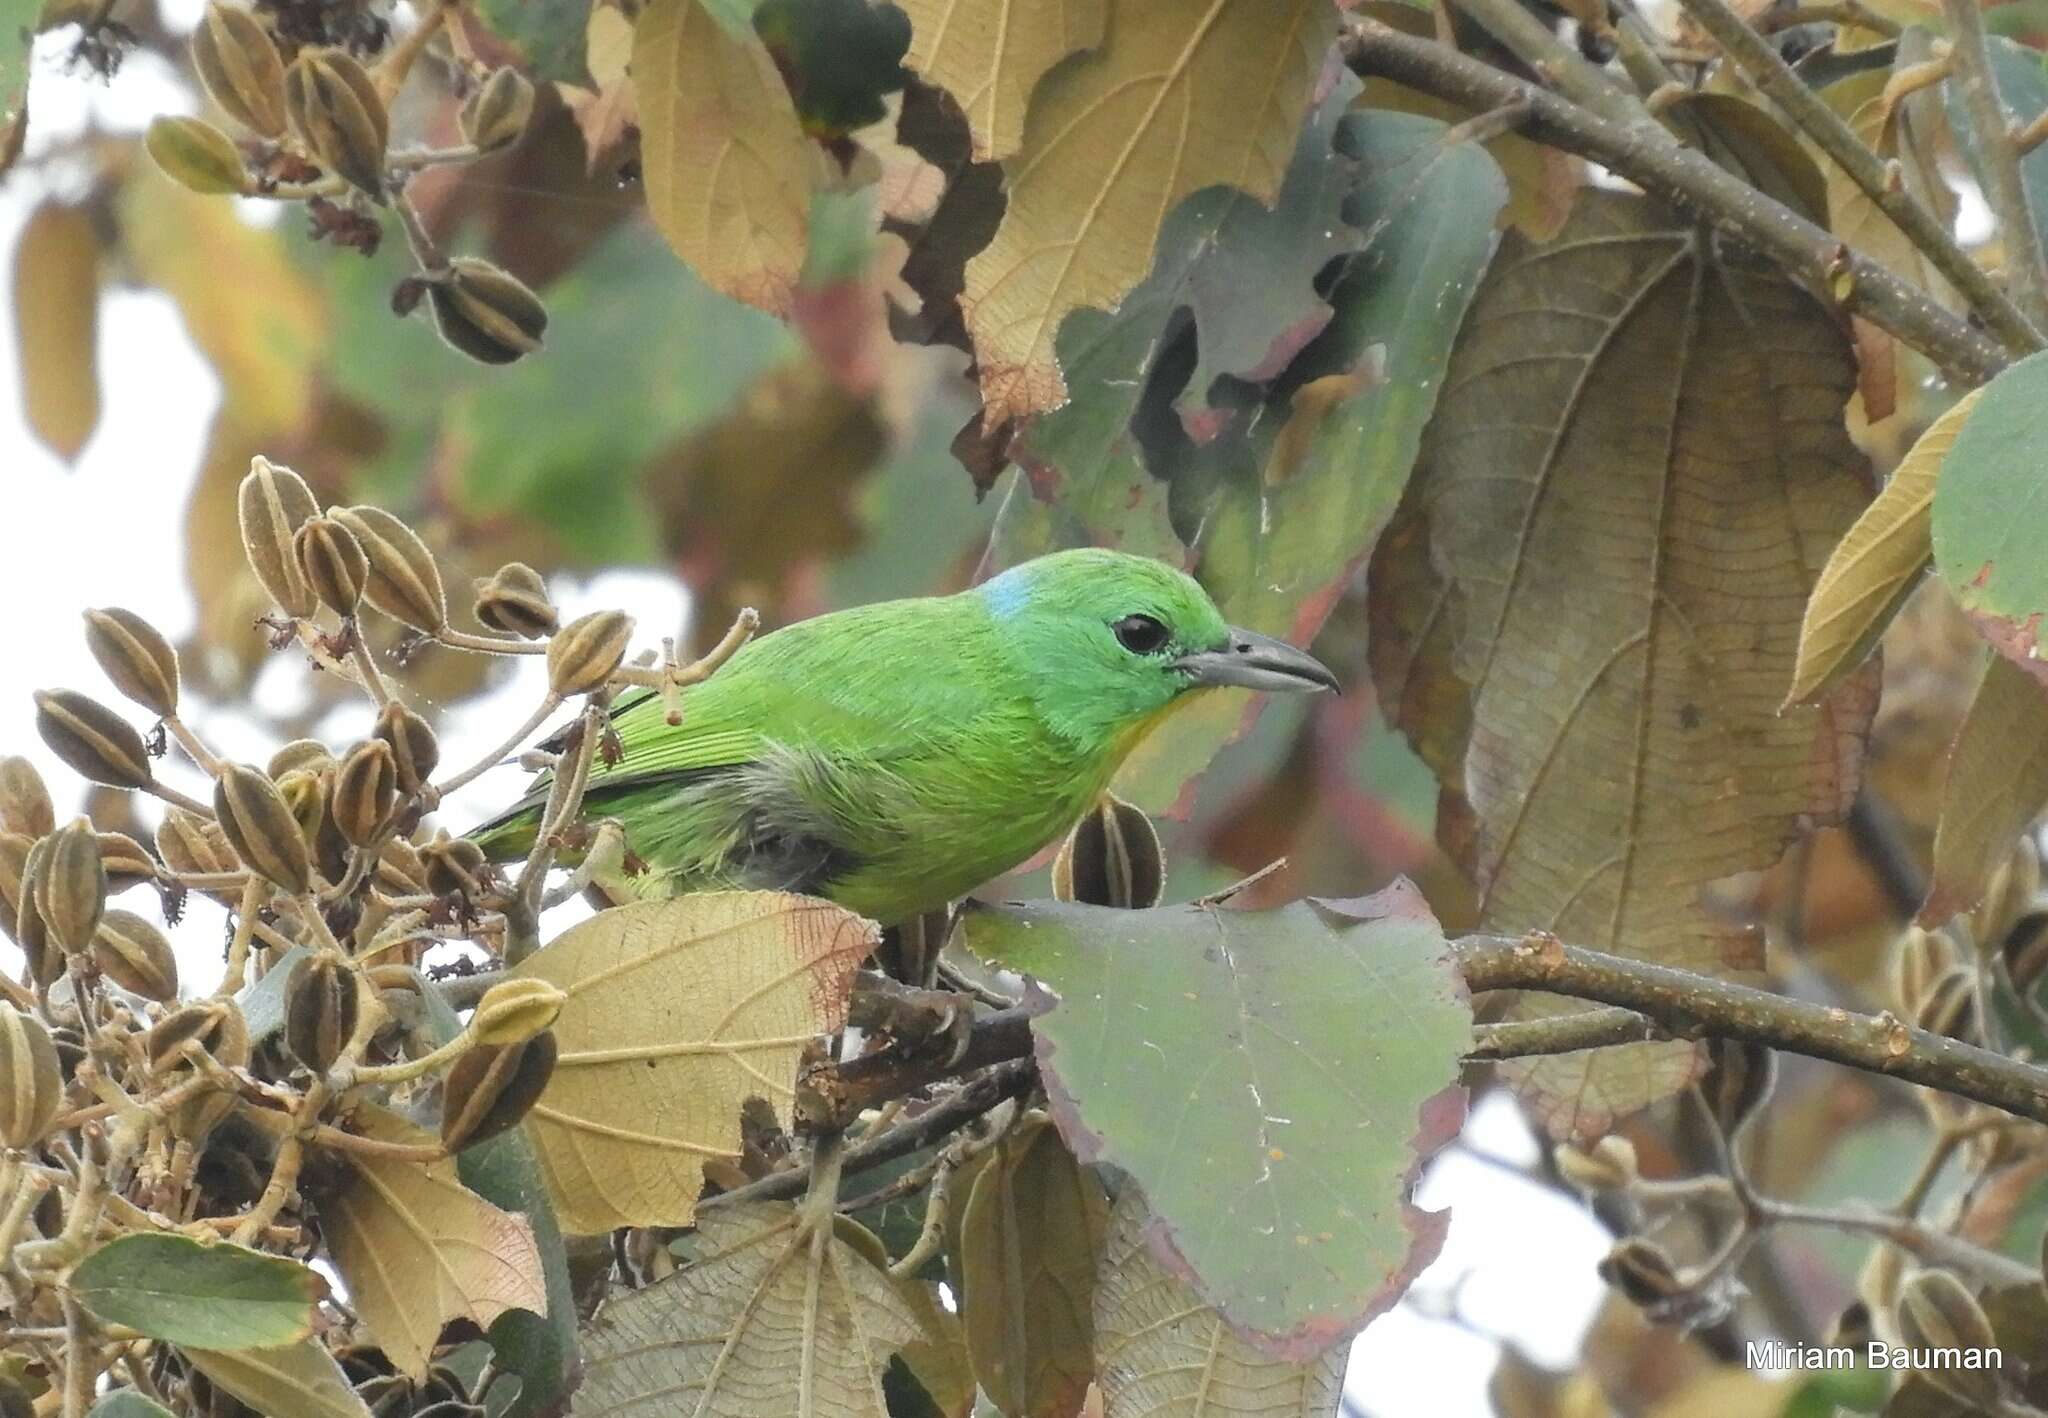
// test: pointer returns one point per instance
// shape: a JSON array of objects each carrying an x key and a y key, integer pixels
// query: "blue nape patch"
[{"x": 1008, "y": 593}]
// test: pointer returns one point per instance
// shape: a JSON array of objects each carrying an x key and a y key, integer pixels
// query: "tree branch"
[
  {"x": 2004, "y": 191},
  {"x": 1769, "y": 71},
  {"x": 1690, "y": 1005},
  {"x": 1562, "y": 1034},
  {"x": 1693, "y": 182}
]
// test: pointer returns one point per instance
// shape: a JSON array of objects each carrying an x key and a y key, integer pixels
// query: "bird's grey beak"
[{"x": 1250, "y": 660}]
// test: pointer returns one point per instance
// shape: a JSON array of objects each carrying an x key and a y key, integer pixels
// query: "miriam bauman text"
[{"x": 1876, "y": 1355}]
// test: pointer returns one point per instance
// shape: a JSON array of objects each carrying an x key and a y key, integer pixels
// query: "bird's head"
[{"x": 1113, "y": 639}]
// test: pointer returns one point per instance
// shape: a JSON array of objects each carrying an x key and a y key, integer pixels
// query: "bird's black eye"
[{"x": 1141, "y": 634}]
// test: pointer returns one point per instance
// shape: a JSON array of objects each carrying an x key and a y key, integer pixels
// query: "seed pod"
[
  {"x": 1949, "y": 1006},
  {"x": 192, "y": 846},
  {"x": 513, "y": 1011},
  {"x": 31, "y": 1082},
  {"x": 486, "y": 313},
  {"x": 136, "y": 657},
  {"x": 14, "y": 854},
  {"x": 1937, "y": 1311},
  {"x": 2013, "y": 888},
  {"x": 399, "y": 869},
  {"x": 587, "y": 652},
  {"x": 322, "y": 1006},
  {"x": 1922, "y": 957},
  {"x": 24, "y": 801},
  {"x": 215, "y": 1024},
  {"x": 70, "y": 886},
  {"x": 515, "y": 600},
  {"x": 334, "y": 108},
  {"x": 365, "y": 791},
  {"x": 415, "y": 751},
  {"x": 306, "y": 795},
  {"x": 260, "y": 826},
  {"x": 1642, "y": 1272},
  {"x": 1739, "y": 1078},
  {"x": 197, "y": 156},
  {"x": 239, "y": 64},
  {"x": 404, "y": 582},
  {"x": 273, "y": 502},
  {"x": 454, "y": 866},
  {"x": 1111, "y": 858},
  {"x": 332, "y": 563},
  {"x": 45, "y": 960},
  {"x": 127, "y": 861},
  {"x": 309, "y": 754},
  {"x": 1852, "y": 1328},
  {"x": 134, "y": 954},
  {"x": 91, "y": 739},
  {"x": 1609, "y": 1165},
  {"x": 496, "y": 114},
  {"x": 490, "y": 1088}
]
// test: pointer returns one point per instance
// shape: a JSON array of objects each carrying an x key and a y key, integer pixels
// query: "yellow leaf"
[
  {"x": 990, "y": 54},
  {"x": 1027, "y": 1244},
  {"x": 56, "y": 321},
  {"x": 1876, "y": 564},
  {"x": 728, "y": 169},
  {"x": 1997, "y": 784},
  {"x": 1179, "y": 97},
  {"x": 262, "y": 331},
  {"x": 291, "y": 1381},
  {"x": 418, "y": 1249},
  {"x": 678, "y": 1012},
  {"x": 1161, "y": 1350},
  {"x": 771, "y": 1318}
]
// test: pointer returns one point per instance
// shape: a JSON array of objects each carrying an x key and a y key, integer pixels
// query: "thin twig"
[
  {"x": 2005, "y": 192},
  {"x": 1768, "y": 70},
  {"x": 1694, "y": 183}
]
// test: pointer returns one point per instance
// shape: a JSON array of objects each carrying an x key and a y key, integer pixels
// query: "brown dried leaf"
[
  {"x": 770, "y": 1318},
  {"x": 990, "y": 55},
  {"x": 418, "y": 1249},
  {"x": 1027, "y": 1244},
  {"x": 1178, "y": 98},
  {"x": 1635, "y": 473},
  {"x": 1997, "y": 784},
  {"x": 56, "y": 322},
  {"x": 1875, "y": 566},
  {"x": 728, "y": 169},
  {"x": 678, "y": 1012},
  {"x": 1162, "y": 1351}
]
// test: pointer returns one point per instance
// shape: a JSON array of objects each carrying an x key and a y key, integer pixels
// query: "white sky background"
[{"x": 1518, "y": 1263}]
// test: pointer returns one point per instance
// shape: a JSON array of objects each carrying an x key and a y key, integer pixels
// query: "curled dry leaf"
[
  {"x": 1875, "y": 566},
  {"x": 418, "y": 1249},
  {"x": 678, "y": 1011}
]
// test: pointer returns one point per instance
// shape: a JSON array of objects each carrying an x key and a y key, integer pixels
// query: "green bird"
[{"x": 893, "y": 757}]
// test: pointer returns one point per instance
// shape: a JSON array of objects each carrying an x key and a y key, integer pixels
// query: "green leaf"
[
  {"x": 1991, "y": 513},
  {"x": 548, "y": 34},
  {"x": 1279, "y": 508},
  {"x": 1273, "y": 1079},
  {"x": 505, "y": 1171},
  {"x": 183, "y": 1291},
  {"x": 127, "y": 1403}
]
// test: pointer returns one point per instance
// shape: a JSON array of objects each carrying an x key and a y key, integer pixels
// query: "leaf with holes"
[
  {"x": 1274, "y": 1079},
  {"x": 678, "y": 1012},
  {"x": 769, "y": 1318},
  {"x": 1632, "y": 410},
  {"x": 1176, "y": 99}
]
